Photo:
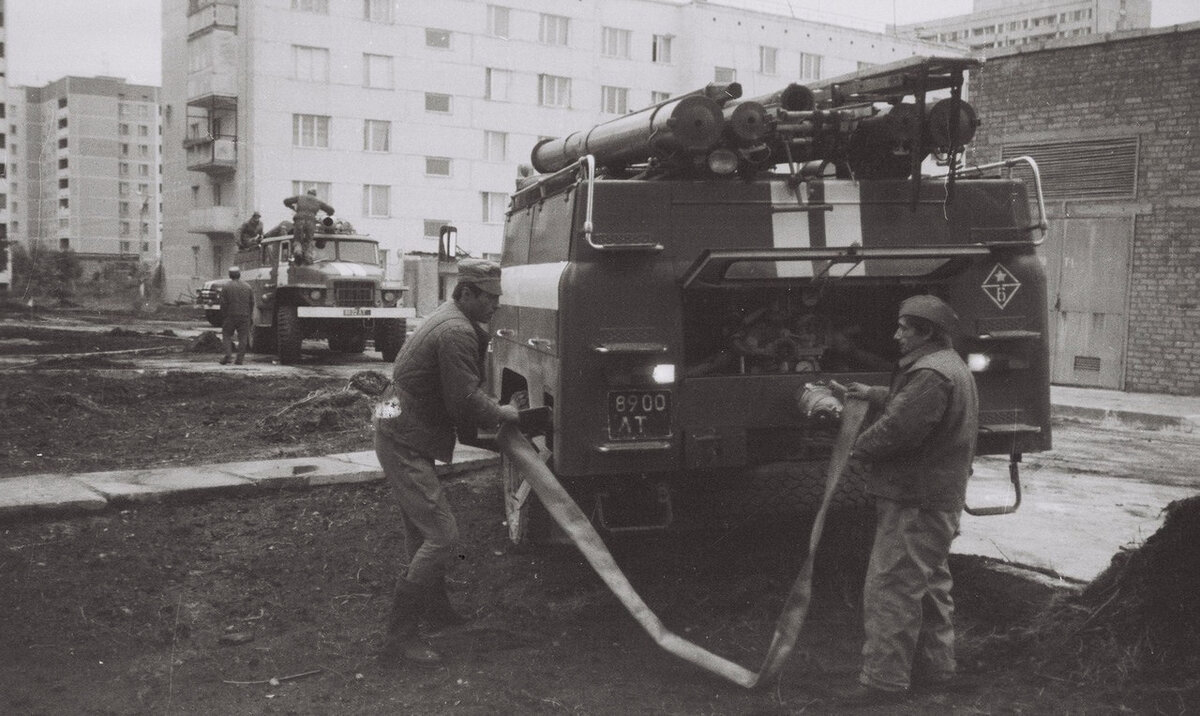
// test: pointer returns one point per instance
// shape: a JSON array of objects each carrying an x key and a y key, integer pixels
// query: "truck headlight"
[
  {"x": 978, "y": 362},
  {"x": 389, "y": 296},
  {"x": 315, "y": 295}
]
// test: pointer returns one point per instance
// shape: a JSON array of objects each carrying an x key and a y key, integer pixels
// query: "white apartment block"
[
  {"x": 406, "y": 116},
  {"x": 1006, "y": 23},
  {"x": 7, "y": 131},
  {"x": 83, "y": 169}
]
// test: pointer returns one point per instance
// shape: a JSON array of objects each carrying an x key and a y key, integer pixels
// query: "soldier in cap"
[
  {"x": 437, "y": 386},
  {"x": 304, "y": 221},
  {"x": 237, "y": 307},
  {"x": 920, "y": 451},
  {"x": 250, "y": 233}
]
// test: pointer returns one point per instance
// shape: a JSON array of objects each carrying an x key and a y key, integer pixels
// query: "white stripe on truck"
[{"x": 532, "y": 285}]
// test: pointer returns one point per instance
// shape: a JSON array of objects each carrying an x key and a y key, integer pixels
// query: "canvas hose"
[{"x": 576, "y": 525}]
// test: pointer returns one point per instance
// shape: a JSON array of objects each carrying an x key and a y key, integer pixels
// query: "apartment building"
[
  {"x": 7, "y": 130},
  {"x": 1005, "y": 23},
  {"x": 409, "y": 116},
  {"x": 83, "y": 169}
]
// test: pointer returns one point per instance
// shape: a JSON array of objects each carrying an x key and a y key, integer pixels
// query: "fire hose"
[{"x": 576, "y": 525}]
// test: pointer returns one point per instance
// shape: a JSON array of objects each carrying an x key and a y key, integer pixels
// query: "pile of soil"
[{"x": 1138, "y": 620}]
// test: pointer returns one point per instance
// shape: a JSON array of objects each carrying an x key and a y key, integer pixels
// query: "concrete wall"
[{"x": 1139, "y": 84}]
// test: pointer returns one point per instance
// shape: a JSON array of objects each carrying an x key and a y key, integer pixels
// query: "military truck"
[
  {"x": 341, "y": 296},
  {"x": 683, "y": 284}
]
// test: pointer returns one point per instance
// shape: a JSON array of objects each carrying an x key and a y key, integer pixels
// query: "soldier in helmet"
[
  {"x": 920, "y": 451},
  {"x": 304, "y": 222},
  {"x": 250, "y": 233},
  {"x": 437, "y": 386}
]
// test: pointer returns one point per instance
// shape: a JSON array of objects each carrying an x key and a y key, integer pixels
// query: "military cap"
[
  {"x": 481, "y": 273},
  {"x": 932, "y": 309},
  {"x": 235, "y": 269}
]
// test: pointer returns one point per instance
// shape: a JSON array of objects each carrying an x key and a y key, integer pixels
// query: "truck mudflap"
[{"x": 575, "y": 524}]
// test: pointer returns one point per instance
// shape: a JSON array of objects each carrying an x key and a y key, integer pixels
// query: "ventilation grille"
[
  {"x": 1084, "y": 169},
  {"x": 353, "y": 293},
  {"x": 1090, "y": 363}
]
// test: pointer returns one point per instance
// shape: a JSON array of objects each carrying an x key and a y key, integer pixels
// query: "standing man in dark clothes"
[
  {"x": 237, "y": 306},
  {"x": 920, "y": 452},
  {"x": 304, "y": 222},
  {"x": 437, "y": 384}
]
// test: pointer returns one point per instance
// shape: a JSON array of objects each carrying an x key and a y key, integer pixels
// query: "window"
[
  {"x": 435, "y": 102},
  {"x": 322, "y": 188},
  {"x": 125, "y": 230},
  {"x": 433, "y": 228},
  {"x": 766, "y": 60},
  {"x": 126, "y": 246},
  {"x": 64, "y": 244},
  {"x": 311, "y": 63},
  {"x": 123, "y": 189},
  {"x": 145, "y": 245},
  {"x": 614, "y": 42},
  {"x": 614, "y": 100},
  {"x": 321, "y": 6},
  {"x": 656, "y": 97},
  {"x": 495, "y": 146},
  {"x": 143, "y": 170},
  {"x": 724, "y": 74},
  {"x": 494, "y": 205},
  {"x": 64, "y": 183},
  {"x": 554, "y": 91},
  {"x": 310, "y": 130},
  {"x": 123, "y": 208},
  {"x": 143, "y": 130},
  {"x": 661, "y": 51},
  {"x": 497, "y": 21},
  {"x": 64, "y": 203},
  {"x": 376, "y": 135},
  {"x": 144, "y": 150},
  {"x": 62, "y": 143},
  {"x": 496, "y": 84},
  {"x": 62, "y": 102},
  {"x": 377, "y": 71},
  {"x": 437, "y": 38},
  {"x": 376, "y": 200},
  {"x": 377, "y": 10},
  {"x": 437, "y": 166},
  {"x": 810, "y": 66},
  {"x": 553, "y": 30},
  {"x": 62, "y": 123},
  {"x": 123, "y": 169}
]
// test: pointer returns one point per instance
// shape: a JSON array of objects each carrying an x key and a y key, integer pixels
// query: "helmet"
[{"x": 932, "y": 309}]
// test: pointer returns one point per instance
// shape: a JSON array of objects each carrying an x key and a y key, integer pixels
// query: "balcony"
[
  {"x": 204, "y": 15},
  {"x": 213, "y": 220},
  {"x": 211, "y": 155}
]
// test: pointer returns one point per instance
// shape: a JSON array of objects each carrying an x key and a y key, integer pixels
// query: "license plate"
[
  {"x": 356, "y": 311},
  {"x": 634, "y": 414}
]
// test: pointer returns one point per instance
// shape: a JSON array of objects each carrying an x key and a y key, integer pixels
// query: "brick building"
[{"x": 1114, "y": 124}]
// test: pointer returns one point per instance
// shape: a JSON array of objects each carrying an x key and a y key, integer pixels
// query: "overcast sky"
[{"x": 48, "y": 39}]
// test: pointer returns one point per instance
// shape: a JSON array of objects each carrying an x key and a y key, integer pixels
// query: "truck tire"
[
  {"x": 287, "y": 335},
  {"x": 528, "y": 521},
  {"x": 214, "y": 318},
  {"x": 389, "y": 337}
]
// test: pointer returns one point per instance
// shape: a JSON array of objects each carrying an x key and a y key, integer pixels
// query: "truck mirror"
[{"x": 448, "y": 243}]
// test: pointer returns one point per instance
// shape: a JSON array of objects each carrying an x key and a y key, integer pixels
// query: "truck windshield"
[{"x": 359, "y": 252}]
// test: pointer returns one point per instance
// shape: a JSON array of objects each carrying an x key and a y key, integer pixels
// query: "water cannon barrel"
[{"x": 690, "y": 124}]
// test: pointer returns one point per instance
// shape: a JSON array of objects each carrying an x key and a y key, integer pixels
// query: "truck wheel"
[
  {"x": 287, "y": 335},
  {"x": 528, "y": 521},
  {"x": 389, "y": 337},
  {"x": 214, "y": 318}
]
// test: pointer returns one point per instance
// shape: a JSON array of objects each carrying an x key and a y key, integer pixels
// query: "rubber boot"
[
  {"x": 438, "y": 609},
  {"x": 403, "y": 640}
]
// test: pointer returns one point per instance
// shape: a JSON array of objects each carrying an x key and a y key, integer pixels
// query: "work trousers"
[
  {"x": 303, "y": 228},
  {"x": 430, "y": 531},
  {"x": 907, "y": 607},
  {"x": 239, "y": 325}
]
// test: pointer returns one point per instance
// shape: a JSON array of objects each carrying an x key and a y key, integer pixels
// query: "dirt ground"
[{"x": 274, "y": 604}]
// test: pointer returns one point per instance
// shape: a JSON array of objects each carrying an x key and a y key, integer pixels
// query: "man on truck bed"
[
  {"x": 304, "y": 221},
  {"x": 920, "y": 451},
  {"x": 437, "y": 383}
]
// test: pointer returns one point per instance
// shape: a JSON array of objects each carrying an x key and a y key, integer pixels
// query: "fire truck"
[
  {"x": 683, "y": 284},
  {"x": 340, "y": 296}
]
